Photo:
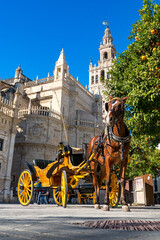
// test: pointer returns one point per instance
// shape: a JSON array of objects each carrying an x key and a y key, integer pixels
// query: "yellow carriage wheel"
[
  {"x": 94, "y": 197},
  {"x": 64, "y": 189},
  {"x": 25, "y": 188},
  {"x": 114, "y": 190},
  {"x": 57, "y": 196}
]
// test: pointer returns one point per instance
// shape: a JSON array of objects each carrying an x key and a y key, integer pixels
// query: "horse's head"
[{"x": 115, "y": 109}]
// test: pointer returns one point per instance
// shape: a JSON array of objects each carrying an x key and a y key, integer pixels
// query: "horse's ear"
[
  {"x": 125, "y": 98},
  {"x": 106, "y": 106},
  {"x": 110, "y": 98}
]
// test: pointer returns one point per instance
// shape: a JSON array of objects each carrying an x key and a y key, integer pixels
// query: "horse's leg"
[
  {"x": 95, "y": 183},
  {"x": 106, "y": 199},
  {"x": 125, "y": 206},
  {"x": 100, "y": 179}
]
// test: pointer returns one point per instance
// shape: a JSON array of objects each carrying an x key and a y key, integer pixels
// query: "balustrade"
[
  {"x": 86, "y": 123},
  {"x": 6, "y": 107},
  {"x": 36, "y": 110},
  {"x": 42, "y": 80}
]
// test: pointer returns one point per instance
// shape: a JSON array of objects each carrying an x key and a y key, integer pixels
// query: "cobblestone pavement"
[{"x": 53, "y": 222}]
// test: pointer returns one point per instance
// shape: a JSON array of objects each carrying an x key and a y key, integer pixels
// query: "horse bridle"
[
  {"x": 112, "y": 136},
  {"x": 121, "y": 113}
]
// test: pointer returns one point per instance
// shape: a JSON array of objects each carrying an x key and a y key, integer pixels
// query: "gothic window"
[
  {"x": 96, "y": 78},
  {"x": 105, "y": 55},
  {"x": 102, "y": 75},
  {"x": 38, "y": 95},
  {"x": 113, "y": 55},
  {"x": 92, "y": 80},
  {"x": 1, "y": 144}
]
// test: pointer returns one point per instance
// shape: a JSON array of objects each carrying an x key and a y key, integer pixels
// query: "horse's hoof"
[
  {"x": 97, "y": 206},
  {"x": 125, "y": 208},
  {"x": 106, "y": 208}
]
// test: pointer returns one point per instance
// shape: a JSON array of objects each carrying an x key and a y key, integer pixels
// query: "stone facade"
[{"x": 8, "y": 122}]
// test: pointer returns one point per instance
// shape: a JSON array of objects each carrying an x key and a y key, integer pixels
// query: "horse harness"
[
  {"x": 111, "y": 137},
  {"x": 108, "y": 133}
]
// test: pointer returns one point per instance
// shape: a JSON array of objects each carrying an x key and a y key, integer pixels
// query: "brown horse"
[{"x": 111, "y": 149}]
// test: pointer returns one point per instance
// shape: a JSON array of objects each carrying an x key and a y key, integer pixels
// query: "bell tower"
[{"x": 97, "y": 74}]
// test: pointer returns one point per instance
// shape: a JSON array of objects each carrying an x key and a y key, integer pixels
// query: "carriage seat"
[
  {"x": 77, "y": 156},
  {"x": 77, "y": 150},
  {"x": 41, "y": 163}
]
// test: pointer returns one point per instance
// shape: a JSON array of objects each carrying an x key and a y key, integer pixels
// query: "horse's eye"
[{"x": 113, "y": 101}]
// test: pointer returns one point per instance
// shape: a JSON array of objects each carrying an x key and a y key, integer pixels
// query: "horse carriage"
[
  {"x": 106, "y": 152},
  {"x": 62, "y": 176}
]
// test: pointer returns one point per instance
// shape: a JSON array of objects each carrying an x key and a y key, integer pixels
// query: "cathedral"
[{"x": 36, "y": 115}]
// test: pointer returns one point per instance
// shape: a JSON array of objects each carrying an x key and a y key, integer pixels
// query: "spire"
[
  {"x": 107, "y": 38},
  {"x": 61, "y": 69},
  {"x": 90, "y": 65},
  {"x": 61, "y": 59},
  {"x": 19, "y": 67},
  {"x": 107, "y": 49},
  {"x": 18, "y": 72},
  {"x": 18, "y": 75}
]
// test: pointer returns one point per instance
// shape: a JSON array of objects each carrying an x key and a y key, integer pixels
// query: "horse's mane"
[{"x": 116, "y": 98}]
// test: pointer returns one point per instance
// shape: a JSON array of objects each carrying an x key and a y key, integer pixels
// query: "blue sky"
[{"x": 33, "y": 32}]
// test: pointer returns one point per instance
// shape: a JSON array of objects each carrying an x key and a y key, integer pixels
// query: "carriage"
[{"x": 62, "y": 176}]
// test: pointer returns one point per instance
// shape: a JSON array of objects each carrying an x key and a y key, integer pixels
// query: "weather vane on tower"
[{"x": 105, "y": 23}]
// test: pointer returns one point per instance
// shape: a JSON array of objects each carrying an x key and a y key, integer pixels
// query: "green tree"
[{"x": 136, "y": 73}]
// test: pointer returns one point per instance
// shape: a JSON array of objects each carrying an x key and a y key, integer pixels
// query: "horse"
[{"x": 110, "y": 149}]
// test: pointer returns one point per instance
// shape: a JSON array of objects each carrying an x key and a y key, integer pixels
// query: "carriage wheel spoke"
[{"x": 25, "y": 188}]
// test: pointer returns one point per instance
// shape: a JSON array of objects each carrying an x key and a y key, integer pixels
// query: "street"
[{"x": 55, "y": 222}]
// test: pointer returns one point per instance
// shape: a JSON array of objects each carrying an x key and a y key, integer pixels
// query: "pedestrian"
[{"x": 42, "y": 196}]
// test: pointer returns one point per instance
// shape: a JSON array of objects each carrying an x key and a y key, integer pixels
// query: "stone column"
[{"x": 7, "y": 178}]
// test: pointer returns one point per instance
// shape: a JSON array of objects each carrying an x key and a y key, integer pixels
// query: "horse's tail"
[{"x": 136, "y": 149}]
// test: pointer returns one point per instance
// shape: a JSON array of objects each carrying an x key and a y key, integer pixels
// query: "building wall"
[{"x": 8, "y": 122}]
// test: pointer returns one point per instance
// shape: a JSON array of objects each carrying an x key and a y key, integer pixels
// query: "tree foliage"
[{"x": 136, "y": 73}]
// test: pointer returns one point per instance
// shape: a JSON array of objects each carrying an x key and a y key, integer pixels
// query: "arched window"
[
  {"x": 92, "y": 80},
  {"x": 102, "y": 75},
  {"x": 96, "y": 78},
  {"x": 105, "y": 55}
]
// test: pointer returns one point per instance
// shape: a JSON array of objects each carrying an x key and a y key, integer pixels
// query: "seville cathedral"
[{"x": 32, "y": 114}]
